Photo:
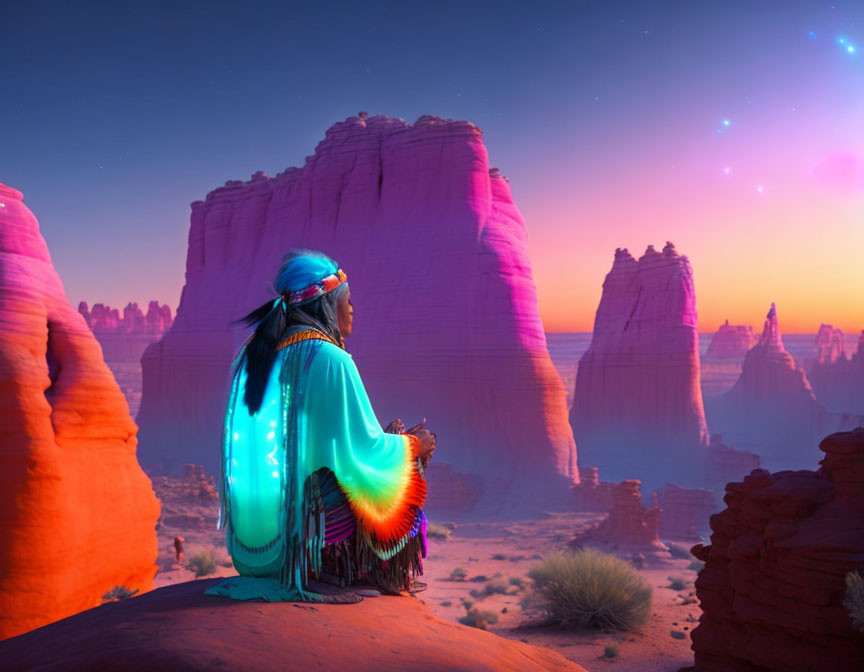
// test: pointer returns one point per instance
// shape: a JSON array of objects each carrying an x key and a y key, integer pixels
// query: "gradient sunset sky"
[{"x": 733, "y": 129}]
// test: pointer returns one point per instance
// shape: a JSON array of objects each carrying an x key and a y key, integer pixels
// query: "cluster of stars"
[{"x": 844, "y": 43}]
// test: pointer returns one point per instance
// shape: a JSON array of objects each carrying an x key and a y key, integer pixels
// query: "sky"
[{"x": 733, "y": 129}]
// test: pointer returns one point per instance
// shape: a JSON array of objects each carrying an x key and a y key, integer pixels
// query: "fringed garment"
[{"x": 313, "y": 468}]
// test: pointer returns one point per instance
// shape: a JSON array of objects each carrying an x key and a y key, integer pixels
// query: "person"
[
  {"x": 311, "y": 488},
  {"x": 178, "y": 550}
]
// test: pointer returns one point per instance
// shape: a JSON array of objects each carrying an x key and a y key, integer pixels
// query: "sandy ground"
[
  {"x": 478, "y": 549},
  {"x": 501, "y": 552}
]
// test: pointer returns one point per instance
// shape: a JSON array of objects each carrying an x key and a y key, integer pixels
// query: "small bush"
[
  {"x": 611, "y": 651},
  {"x": 480, "y": 578},
  {"x": 677, "y": 634},
  {"x": 479, "y": 619},
  {"x": 853, "y": 598},
  {"x": 696, "y": 566},
  {"x": 457, "y": 574},
  {"x": 118, "y": 593},
  {"x": 467, "y": 604},
  {"x": 677, "y": 551},
  {"x": 446, "y": 603},
  {"x": 436, "y": 531},
  {"x": 202, "y": 563},
  {"x": 495, "y": 588},
  {"x": 499, "y": 556},
  {"x": 591, "y": 589},
  {"x": 517, "y": 581},
  {"x": 516, "y": 558},
  {"x": 676, "y": 583}
]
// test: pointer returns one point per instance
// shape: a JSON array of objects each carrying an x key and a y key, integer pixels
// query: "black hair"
[{"x": 259, "y": 353}]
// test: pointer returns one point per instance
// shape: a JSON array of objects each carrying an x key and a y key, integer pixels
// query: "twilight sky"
[{"x": 733, "y": 129}]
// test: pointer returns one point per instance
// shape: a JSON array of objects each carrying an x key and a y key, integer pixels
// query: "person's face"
[{"x": 345, "y": 313}]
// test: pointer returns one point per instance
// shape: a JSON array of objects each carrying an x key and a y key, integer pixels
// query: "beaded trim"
[
  {"x": 323, "y": 286},
  {"x": 305, "y": 335}
]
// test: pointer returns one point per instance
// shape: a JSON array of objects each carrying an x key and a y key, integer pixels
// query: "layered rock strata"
[
  {"x": 77, "y": 513},
  {"x": 446, "y": 319},
  {"x": 637, "y": 408},
  {"x": 774, "y": 579}
]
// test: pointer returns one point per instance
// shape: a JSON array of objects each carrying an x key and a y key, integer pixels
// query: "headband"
[{"x": 316, "y": 289}]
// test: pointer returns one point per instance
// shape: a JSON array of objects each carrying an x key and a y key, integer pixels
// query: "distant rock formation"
[
  {"x": 684, "y": 512},
  {"x": 180, "y": 628},
  {"x": 731, "y": 342},
  {"x": 447, "y": 324},
  {"x": 637, "y": 408},
  {"x": 721, "y": 364},
  {"x": 838, "y": 382},
  {"x": 124, "y": 339},
  {"x": 77, "y": 513},
  {"x": 773, "y": 583},
  {"x": 771, "y": 410},
  {"x": 592, "y": 494},
  {"x": 107, "y": 319},
  {"x": 630, "y": 528},
  {"x": 727, "y": 464}
]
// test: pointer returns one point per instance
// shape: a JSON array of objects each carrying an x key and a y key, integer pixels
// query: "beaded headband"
[{"x": 316, "y": 289}]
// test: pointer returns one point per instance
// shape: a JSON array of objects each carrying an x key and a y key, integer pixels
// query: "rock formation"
[
  {"x": 592, "y": 494},
  {"x": 630, "y": 528},
  {"x": 637, "y": 408},
  {"x": 684, "y": 512},
  {"x": 178, "y": 628},
  {"x": 124, "y": 339},
  {"x": 446, "y": 326},
  {"x": 725, "y": 463},
  {"x": 77, "y": 513},
  {"x": 721, "y": 364},
  {"x": 771, "y": 410},
  {"x": 838, "y": 382},
  {"x": 772, "y": 588},
  {"x": 731, "y": 342}
]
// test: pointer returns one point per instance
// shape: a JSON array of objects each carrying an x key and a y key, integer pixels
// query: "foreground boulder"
[
  {"x": 181, "y": 628},
  {"x": 773, "y": 584}
]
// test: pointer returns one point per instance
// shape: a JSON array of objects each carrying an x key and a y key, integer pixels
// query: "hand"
[
  {"x": 428, "y": 440},
  {"x": 395, "y": 427}
]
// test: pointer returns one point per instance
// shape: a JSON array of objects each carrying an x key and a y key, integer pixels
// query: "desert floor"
[{"x": 505, "y": 551}]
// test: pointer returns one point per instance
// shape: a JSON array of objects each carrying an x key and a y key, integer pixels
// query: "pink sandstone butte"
[
  {"x": 124, "y": 339},
  {"x": 771, "y": 410},
  {"x": 838, "y": 382},
  {"x": 721, "y": 364},
  {"x": 637, "y": 408},
  {"x": 772, "y": 587},
  {"x": 731, "y": 342},
  {"x": 447, "y": 325},
  {"x": 77, "y": 513}
]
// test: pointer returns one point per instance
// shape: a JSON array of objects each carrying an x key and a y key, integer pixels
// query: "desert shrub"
[
  {"x": 479, "y": 619},
  {"x": 516, "y": 558},
  {"x": 458, "y": 574},
  {"x": 676, "y": 583},
  {"x": 677, "y": 634},
  {"x": 446, "y": 603},
  {"x": 202, "y": 563},
  {"x": 480, "y": 578},
  {"x": 499, "y": 556},
  {"x": 118, "y": 593},
  {"x": 436, "y": 531},
  {"x": 853, "y": 598},
  {"x": 696, "y": 565},
  {"x": 591, "y": 589},
  {"x": 611, "y": 651},
  {"x": 677, "y": 551},
  {"x": 495, "y": 588},
  {"x": 517, "y": 581}
]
